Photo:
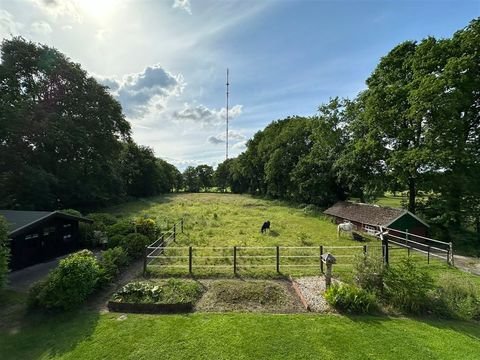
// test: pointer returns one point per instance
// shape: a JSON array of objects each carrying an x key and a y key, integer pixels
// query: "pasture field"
[{"x": 227, "y": 220}]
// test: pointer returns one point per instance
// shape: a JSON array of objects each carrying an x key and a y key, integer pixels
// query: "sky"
[{"x": 166, "y": 60}]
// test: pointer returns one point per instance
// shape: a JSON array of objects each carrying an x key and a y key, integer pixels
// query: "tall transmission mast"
[{"x": 226, "y": 133}]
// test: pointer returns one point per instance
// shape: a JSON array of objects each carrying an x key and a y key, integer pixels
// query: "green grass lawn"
[{"x": 88, "y": 335}]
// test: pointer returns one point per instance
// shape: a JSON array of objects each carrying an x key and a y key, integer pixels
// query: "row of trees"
[
  {"x": 416, "y": 127},
  {"x": 64, "y": 141}
]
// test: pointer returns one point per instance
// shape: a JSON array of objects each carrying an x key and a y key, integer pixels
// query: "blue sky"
[{"x": 165, "y": 60}]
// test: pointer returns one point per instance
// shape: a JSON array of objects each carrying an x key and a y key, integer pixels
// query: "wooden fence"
[{"x": 279, "y": 259}]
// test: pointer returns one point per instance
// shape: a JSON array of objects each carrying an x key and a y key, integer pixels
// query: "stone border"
[
  {"x": 138, "y": 308},
  {"x": 299, "y": 294}
]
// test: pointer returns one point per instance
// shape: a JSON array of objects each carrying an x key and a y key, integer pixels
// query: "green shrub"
[
  {"x": 102, "y": 220},
  {"x": 4, "y": 252},
  {"x": 406, "y": 287},
  {"x": 457, "y": 299},
  {"x": 171, "y": 291},
  {"x": 69, "y": 284},
  {"x": 72, "y": 212},
  {"x": 147, "y": 227},
  {"x": 369, "y": 272},
  {"x": 134, "y": 244},
  {"x": 123, "y": 227},
  {"x": 110, "y": 263},
  {"x": 350, "y": 299},
  {"x": 115, "y": 241}
]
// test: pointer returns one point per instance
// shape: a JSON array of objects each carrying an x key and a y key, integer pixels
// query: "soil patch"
[{"x": 271, "y": 296}]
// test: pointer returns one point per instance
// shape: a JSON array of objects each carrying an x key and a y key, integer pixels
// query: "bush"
[
  {"x": 4, "y": 252},
  {"x": 123, "y": 228},
  {"x": 350, "y": 299},
  {"x": 71, "y": 212},
  {"x": 406, "y": 287},
  {"x": 69, "y": 284},
  {"x": 110, "y": 263},
  {"x": 102, "y": 220},
  {"x": 134, "y": 244},
  {"x": 368, "y": 273},
  {"x": 147, "y": 227},
  {"x": 457, "y": 299}
]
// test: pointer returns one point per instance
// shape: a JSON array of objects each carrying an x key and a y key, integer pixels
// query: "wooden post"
[
  {"x": 145, "y": 260},
  {"x": 181, "y": 224},
  {"x": 278, "y": 259},
  {"x": 428, "y": 254},
  {"x": 190, "y": 251},
  {"x": 235, "y": 260},
  {"x": 408, "y": 251},
  {"x": 365, "y": 250},
  {"x": 174, "y": 232},
  {"x": 321, "y": 262},
  {"x": 385, "y": 246},
  {"x": 450, "y": 254}
]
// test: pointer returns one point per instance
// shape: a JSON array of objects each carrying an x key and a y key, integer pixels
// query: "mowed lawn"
[{"x": 88, "y": 335}]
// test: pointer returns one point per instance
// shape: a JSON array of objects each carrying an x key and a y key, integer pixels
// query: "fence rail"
[{"x": 280, "y": 259}]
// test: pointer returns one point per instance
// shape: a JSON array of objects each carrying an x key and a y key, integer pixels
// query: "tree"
[
  {"x": 191, "y": 179},
  {"x": 222, "y": 176},
  {"x": 205, "y": 176},
  {"x": 60, "y": 131}
]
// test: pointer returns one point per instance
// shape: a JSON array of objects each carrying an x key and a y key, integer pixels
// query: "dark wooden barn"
[
  {"x": 369, "y": 217},
  {"x": 38, "y": 236}
]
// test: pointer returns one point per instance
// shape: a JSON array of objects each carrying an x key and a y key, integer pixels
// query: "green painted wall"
[{"x": 409, "y": 222}]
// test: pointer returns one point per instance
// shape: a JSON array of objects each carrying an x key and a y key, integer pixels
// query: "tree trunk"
[{"x": 412, "y": 193}]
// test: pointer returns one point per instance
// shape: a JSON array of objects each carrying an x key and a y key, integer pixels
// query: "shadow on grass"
[{"x": 45, "y": 335}]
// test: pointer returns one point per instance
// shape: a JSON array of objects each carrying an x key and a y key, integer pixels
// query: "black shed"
[{"x": 38, "y": 236}]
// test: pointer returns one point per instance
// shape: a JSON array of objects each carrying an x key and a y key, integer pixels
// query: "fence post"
[
  {"x": 181, "y": 225},
  {"x": 408, "y": 251},
  {"x": 190, "y": 251},
  {"x": 406, "y": 237},
  {"x": 428, "y": 254},
  {"x": 364, "y": 249},
  {"x": 278, "y": 259},
  {"x": 321, "y": 262},
  {"x": 145, "y": 260},
  {"x": 174, "y": 232},
  {"x": 385, "y": 246},
  {"x": 450, "y": 254},
  {"x": 235, "y": 260}
]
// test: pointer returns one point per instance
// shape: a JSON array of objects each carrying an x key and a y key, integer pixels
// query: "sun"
[{"x": 99, "y": 9}]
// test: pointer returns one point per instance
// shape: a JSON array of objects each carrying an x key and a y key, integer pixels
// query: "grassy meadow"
[{"x": 214, "y": 221}]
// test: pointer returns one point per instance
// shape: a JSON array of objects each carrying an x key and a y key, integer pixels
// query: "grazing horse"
[
  {"x": 265, "y": 227},
  {"x": 346, "y": 226}
]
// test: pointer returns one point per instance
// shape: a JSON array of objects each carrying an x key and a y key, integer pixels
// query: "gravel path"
[{"x": 312, "y": 288}]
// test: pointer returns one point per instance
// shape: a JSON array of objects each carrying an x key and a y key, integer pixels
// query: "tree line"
[
  {"x": 415, "y": 128},
  {"x": 64, "y": 141}
]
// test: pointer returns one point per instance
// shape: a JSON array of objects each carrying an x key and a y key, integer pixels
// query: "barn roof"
[
  {"x": 19, "y": 221},
  {"x": 368, "y": 213}
]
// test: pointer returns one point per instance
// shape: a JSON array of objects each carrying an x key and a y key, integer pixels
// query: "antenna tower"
[{"x": 226, "y": 131}]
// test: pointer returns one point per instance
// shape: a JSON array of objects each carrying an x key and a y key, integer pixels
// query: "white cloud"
[
  {"x": 203, "y": 115},
  {"x": 57, "y": 8},
  {"x": 8, "y": 25},
  {"x": 233, "y": 137},
  {"x": 242, "y": 145},
  {"x": 101, "y": 34},
  {"x": 183, "y": 4},
  {"x": 145, "y": 91},
  {"x": 41, "y": 28},
  {"x": 67, "y": 27}
]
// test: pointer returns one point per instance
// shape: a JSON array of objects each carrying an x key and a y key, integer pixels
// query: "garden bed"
[
  {"x": 234, "y": 295},
  {"x": 161, "y": 296}
]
